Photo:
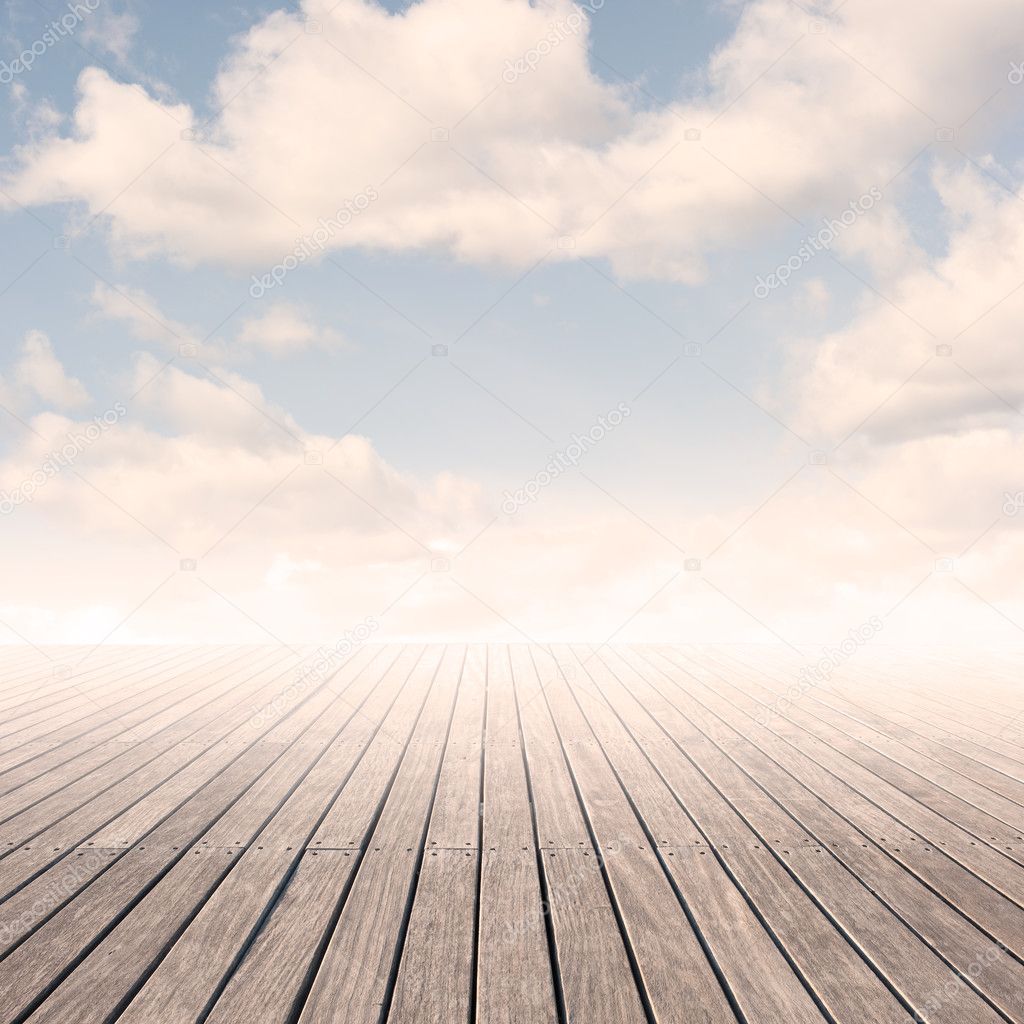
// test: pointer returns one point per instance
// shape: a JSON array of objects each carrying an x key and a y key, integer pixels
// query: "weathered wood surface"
[{"x": 511, "y": 835}]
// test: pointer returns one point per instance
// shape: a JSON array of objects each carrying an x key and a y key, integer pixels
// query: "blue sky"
[
  {"x": 709, "y": 141},
  {"x": 537, "y": 337}
]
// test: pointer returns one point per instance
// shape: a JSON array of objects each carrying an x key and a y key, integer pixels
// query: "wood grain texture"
[
  {"x": 435, "y": 974},
  {"x": 270, "y": 979},
  {"x": 519, "y": 834},
  {"x": 514, "y": 979}
]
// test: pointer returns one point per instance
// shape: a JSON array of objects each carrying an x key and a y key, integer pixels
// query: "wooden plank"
[
  {"x": 455, "y": 817},
  {"x": 990, "y": 719},
  {"x": 29, "y": 972},
  {"x": 118, "y": 666},
  {"x": 63, "y": 879},
  {"x": 33, "y": 905},
  {"x": 197, "y": 967},
  {"x": 272, "y": 975},
  {"x": 48, "y": 747},
  {"x": 248, "y": 771},
  {"x": 356, "y": 975},
  {"x": 992, "y": 716},
  {"x": 960, "y": 774},
  {"x": 839, "y": 974},
  {"x": 760, "y": 980},
  {"x": 408, "y": 742},
  {"x": 918, "y": 777},
  {"x": 559, "y": 820},
  {"x": 68, "y": 817},
  {"x": 594, "y": 974},
  {"x": 509, "y": 836},
  {"x": 34, "y": 759},
  {"x": 111, "y": 982},
  {"x": 435, "y": 974},
  {"x": 24, "y": 666},
  {"x": 58, "y": 681},
  {"x": 320, "y": 702},
  {"x": 95, "y": 752},
  {"x": 205, "y": 685},
  {"x": 855, "y": 907},
  {"x": 435, "y": 979},
  {"x": 937, "y": 689},
  {"x": 995, "y": 748},
  {"x": 889, "y": 719},
  {"x": 20, "y": 868},
  {"x": 507, "y": 823},
  {"x": 884, "y": 810},
  {"x": 82, "y": 709},
  {"x": 514, "y": 981},
  {"x": 100, "y": 984},
  {"x": 593, "y": 971},
  {"x": 514, "y": 975},
  {"x": 670, "y": 952}
]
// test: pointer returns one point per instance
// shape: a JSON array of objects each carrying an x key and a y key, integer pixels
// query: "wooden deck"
[{"x": 510, "y": 834}]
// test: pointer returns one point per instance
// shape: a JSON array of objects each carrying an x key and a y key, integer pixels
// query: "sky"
[{"x": 498, "y": 320}]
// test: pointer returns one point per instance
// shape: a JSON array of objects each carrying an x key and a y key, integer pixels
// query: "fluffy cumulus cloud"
[
  {"x": 918, "y": 405},
  {"x": 478, "y": 126},
  {"x": 283, "y": 329},
  {"x": 199, "y": 510},
  {"x": 944, "y": 342},
  {"x": 37, "y": 376},
  {"x": 206, "y": 471},
  {"x": 922, "y": 392}
]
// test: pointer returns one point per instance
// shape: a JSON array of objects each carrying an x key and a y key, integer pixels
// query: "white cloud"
[
  {"x": 33, "y": 117},
  {"x": 204, "y": 467},
  {"x": 37, "y": 375},
  {"x": 283, "y": 329},
  {"x": 814, "y": 296},
  {"x": 193, "y": 454},
  {"x": 208, "y": 470},
  {"x": 939, "y": 354},
  {"x": 284, "y": 569},
  {"x": 920, "y": 402},
  {"x": 279, "y": 329},
  {"x": 112, "y": 32},
  {"x": 308, "y": 120},
  {"x": 142, "y": 315}
]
